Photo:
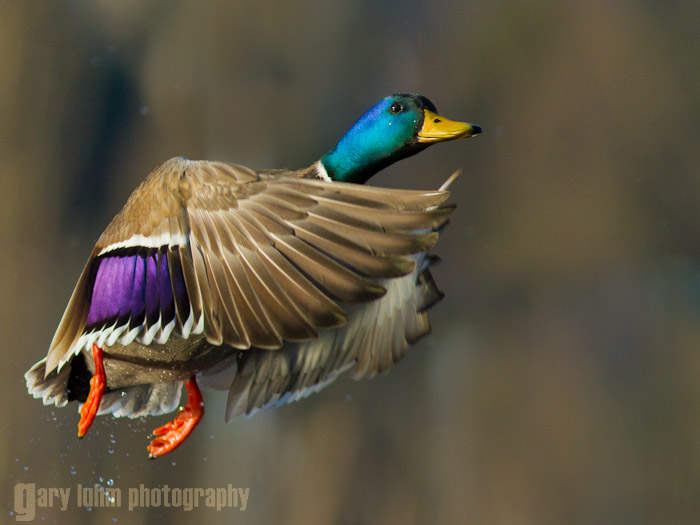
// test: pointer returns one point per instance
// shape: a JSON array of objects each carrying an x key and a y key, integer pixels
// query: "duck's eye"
[{"x": 396, "y": 108}]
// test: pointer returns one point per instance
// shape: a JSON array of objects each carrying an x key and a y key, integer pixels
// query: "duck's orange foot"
[
  {"x": 98, "y": 385},
  {"x": 172, "y": 434}
]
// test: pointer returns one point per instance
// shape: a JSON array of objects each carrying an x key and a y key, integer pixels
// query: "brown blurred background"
[{"x": 562, "y": 380}]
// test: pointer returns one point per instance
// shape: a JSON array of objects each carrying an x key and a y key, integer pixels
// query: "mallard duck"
[{"x": 265, "y": 283}]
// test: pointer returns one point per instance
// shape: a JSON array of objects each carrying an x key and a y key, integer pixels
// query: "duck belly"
[{"x": 137, "y": 364}]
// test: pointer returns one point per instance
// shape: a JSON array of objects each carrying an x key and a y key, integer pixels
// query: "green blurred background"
[{"x": 562, "y": 380}]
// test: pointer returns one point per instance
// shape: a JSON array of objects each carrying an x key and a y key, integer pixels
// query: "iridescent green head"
[{"x": 397, "y": 127}]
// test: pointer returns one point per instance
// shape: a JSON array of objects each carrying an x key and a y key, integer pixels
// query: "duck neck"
[
  {"x": 341, "y": 165},
  {"x": 362, "y": 152}
]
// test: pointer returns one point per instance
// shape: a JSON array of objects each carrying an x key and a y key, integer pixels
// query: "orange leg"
[
  {"x": 98, "y": 385},
  {"x": 171, "y": 435}
]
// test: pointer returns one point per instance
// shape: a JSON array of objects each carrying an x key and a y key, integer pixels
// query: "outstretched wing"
[{"x": 215, "y": 249}]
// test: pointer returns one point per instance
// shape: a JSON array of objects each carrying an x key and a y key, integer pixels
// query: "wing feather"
[{"x": 245, "y": 259}]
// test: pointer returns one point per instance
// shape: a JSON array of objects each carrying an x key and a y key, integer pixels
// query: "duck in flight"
[{"x": 264, "y": 283}]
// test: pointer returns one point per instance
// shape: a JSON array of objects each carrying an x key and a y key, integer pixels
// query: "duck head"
[{"x": 396, "y": 127}]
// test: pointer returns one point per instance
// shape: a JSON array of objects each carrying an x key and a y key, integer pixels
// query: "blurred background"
[{"x": 561, "y": 383}]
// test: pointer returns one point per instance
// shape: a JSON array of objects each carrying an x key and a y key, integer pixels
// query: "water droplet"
[
  {"x": 26, "y": 467},
  {"x": 72, "y": 470},
  {"x": 110, "y": 482},
  {"x": 101, "y": 479},
  {"x": 173, "y": 463}
]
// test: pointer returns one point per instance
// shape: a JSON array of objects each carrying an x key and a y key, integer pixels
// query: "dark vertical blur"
[{"x": 562, "y": 380}]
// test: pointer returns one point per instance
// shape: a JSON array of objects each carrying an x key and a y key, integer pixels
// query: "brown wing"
[
  {"x": 376, "y": 337},
  {"x": 262, "y": 260}
]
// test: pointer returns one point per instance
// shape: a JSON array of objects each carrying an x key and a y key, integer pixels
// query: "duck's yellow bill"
[{"x": 436, "y": 128}]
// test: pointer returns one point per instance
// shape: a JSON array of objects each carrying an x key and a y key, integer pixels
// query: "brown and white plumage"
[{"x": 269, "y": 263}]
